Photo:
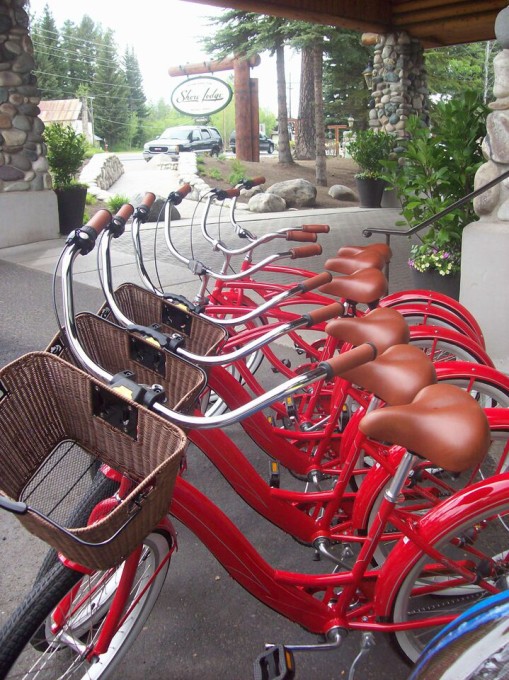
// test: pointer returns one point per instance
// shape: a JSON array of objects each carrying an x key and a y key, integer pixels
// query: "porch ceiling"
[{"x": 434, "y": 22}]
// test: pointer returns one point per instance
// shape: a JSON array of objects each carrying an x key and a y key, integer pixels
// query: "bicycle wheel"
[
  {"x": 476, "y": 645},
  {"x": 478, "y": 541},
  {"x": 101, "y": 488},
  {"x": 421, "y": 315},
  {"x": 427, "y": 297},
  {"x": 29, "y": 645},
  {"x": 442, "y": 344}
]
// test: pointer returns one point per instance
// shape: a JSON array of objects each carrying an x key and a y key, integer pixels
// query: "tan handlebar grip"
[
  {"x": 148, "y": 199},
  {"x": 125, "y": 211},
  {"x": 306, "y": 251},
  {"x": 315, "y": 282},
  {"x": 184, "y": 190},
  {"x": 302, "y": 236},
  {"x": 100, "y": 220},
  {"x": 326, "y": 313},
  {"x": 257, "y": 181},
  {"x": 316, "y": 228},
  {"x": 231, "y": 193},
  {"x": 352, "y": 359}
]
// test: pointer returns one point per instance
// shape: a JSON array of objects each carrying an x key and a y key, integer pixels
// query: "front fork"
[{"x": 117, "y": 610}]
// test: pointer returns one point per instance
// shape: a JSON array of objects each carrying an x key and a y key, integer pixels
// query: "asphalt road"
[{"x": 204, "y": 626}]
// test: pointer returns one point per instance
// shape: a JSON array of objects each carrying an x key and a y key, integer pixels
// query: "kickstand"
[{"x": 367, "y": 643}]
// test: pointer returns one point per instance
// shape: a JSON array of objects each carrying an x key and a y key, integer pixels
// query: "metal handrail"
[
  {"x": 434, "y": 218},
  {"x": 438, "y": 216}
]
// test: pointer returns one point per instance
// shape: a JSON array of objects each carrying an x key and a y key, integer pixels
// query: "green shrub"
[
  {"x": 66, "y": 153},
  {"x": 214, "y": 173},
  {"x": 116, "y": 202},
  {"x": 437, "y": 167},
  {"x": 238, "y": 173},
  {"x": 370, "y": 149},
  {"x": 90, "y": 199}
]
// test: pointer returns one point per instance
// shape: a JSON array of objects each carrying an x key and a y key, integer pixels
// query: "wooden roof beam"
[
  {"x": 464, "y": 8},
  {"x": 357, "y": 15}
]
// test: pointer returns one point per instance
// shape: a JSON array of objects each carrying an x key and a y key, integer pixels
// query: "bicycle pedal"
[
  {"x": 274, "y": 474},
  {"x": 276, "y": 663}
]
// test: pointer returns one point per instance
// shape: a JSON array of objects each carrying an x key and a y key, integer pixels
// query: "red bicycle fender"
[
  {"x": 438, "y": 333},
  {"x": 479, "y": 499}
]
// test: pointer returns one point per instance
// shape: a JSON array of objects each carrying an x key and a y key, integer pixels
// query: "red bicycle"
[{"x": 452, "y": 556}]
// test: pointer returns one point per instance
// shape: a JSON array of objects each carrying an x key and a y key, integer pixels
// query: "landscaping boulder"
[
  {"x": 155, "y": 213},
  {"x": 297, "y": 193},
  {"x": 267, "y": 202},
  {"x": 342, "y": 193}
]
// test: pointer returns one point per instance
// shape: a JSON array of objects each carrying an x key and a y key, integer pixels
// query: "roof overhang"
[{"x": 434, "y": 22}]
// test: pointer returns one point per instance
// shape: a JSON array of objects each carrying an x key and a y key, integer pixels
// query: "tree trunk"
[
  {"x": 305, "y": 139},
  {"x": 321, "y": 164},
  {"x": 285, "y": 154}
]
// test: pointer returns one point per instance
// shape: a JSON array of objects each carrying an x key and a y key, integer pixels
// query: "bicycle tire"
[
  {"x": 474, "y": 646},
  {"x": 101, "y": 488},
  {"x": 435, "y": 299},
  {"x": 27, "y": 639},
  {"x": 441, "y": 344},
  {"x": 476, "y": 538}
]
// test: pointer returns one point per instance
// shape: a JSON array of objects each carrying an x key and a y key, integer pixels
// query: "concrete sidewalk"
[{"x": 346, "y": 227}]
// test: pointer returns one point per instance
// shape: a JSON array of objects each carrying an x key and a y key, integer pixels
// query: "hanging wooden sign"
[{"x": 201, "y": 96}]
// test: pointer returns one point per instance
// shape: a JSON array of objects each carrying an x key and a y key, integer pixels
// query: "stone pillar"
[
  {"x": 485, "y": 244},
  {"x": 23, "y": 163},
  {"x": 399, "y": 82}
]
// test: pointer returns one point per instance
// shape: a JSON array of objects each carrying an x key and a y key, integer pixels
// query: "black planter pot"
[
  {"x": 71, "y": 207},
  {"x": 370, "y": 191},
  {"x": 447, "y": 285}
]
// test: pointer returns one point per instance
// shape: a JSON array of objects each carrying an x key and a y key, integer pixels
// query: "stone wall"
[
  {"x": 399, "y": 83},
  {"x": 23, "y": 164},
  {"x": 101, "y": 171}
]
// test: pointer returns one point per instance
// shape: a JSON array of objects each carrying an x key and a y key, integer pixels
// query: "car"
[
  {"x": 266, "y": 144},
  {"x": 202, "y": 139}
]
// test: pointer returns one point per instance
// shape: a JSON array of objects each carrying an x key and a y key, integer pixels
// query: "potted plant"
[
  {"x": 66, "y": 151},
  {"x": 370, "y": 149},
  {"x": 436, "y": 168}
]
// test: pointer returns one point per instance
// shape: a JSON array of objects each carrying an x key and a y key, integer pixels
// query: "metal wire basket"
[
  {"x": 55, "y": 423},
  {"x": 145, "y": 308}
]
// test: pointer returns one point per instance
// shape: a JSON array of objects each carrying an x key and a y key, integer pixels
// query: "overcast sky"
[{"x": 164, "y": 33}]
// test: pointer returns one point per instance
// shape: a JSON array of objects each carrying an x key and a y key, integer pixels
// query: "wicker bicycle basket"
[
  {"x": 55, "y": 422},
  {"x": 145, "y": 308},
  {"x": 115, "y": 349}
]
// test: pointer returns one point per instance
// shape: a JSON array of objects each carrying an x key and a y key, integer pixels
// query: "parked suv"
[
  {"x": 185, "y": 138},
  {"x": 266, "y": 144}
]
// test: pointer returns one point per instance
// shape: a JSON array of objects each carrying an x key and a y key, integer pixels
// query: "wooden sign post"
[{"x": 247, "y": 119}]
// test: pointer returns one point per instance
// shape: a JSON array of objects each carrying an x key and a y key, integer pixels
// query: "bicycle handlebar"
[
  {"x": 314, "y": 282},
  {"x": 176, "y": 197},
  {"x": 303, "y": 236},
  {"x": 327, "y": 369},
  {"x": 250, "y": 183},
  {"x": 305, "y": 251},
  {"x": 99, "y": 221},
  {"x": 316, "y": 228},
  {"x": 142, "y": 211}
]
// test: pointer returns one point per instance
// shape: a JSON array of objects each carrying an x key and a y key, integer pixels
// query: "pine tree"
[
  {"x": 48, "y": 55},
  {"x": 111, "y": 92},
  {"x": 136, "y": 96},
  {"x": 345, "y": 92},
  {"x": 247, "y": 33}
]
